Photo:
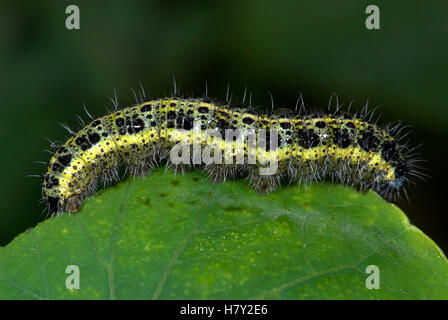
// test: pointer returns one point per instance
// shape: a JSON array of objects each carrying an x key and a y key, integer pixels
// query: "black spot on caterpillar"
[{"x": 348, "y": 148}]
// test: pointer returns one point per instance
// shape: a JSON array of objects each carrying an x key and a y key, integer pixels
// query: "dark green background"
[{"x": 316, "y": 47}]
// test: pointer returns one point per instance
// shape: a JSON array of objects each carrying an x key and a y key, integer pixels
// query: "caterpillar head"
[{"x": 57, "y": 204}]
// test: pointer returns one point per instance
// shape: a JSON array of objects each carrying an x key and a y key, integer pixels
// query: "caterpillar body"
[{"x": 311, "y": 147}]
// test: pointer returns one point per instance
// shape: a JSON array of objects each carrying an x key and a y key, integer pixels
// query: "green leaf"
[{"x": 175, "y": 237}]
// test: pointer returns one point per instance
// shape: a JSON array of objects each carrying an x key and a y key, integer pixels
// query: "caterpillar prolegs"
[{"x": 348, "y": 148}]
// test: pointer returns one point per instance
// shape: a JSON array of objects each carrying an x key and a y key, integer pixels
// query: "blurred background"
[{"x": 285, "y": 47}]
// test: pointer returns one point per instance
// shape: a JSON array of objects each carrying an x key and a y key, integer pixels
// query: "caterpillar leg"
[
  {"x": 221, "y": 173},
  {"x": 73, "y": 205},
  {"x": 140, "y": 161},
  {"x": 180, "y": 168},
  {"x": 263, "y": 183},
  {"x": 140, "y": 168}
]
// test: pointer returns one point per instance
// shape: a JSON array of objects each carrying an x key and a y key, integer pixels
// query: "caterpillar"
[{"x": 310, "y": 146}]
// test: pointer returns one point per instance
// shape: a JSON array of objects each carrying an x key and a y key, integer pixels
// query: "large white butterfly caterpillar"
[{"x": 348, "y": 148}]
